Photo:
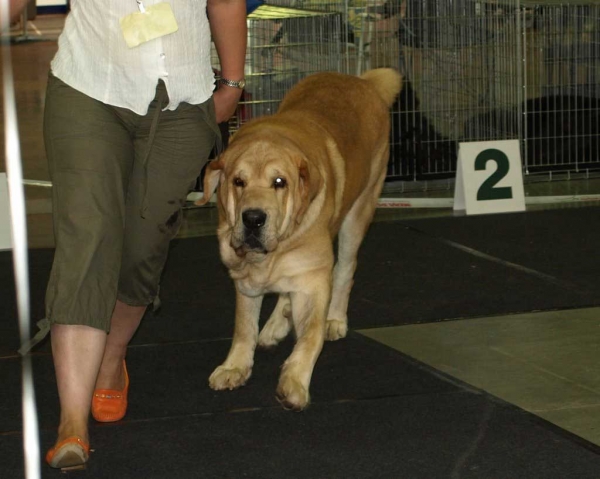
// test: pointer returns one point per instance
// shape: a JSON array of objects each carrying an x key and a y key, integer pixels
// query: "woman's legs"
[
  {"x": 86, "y": 357},
  {"x": 90, "y": 154}
]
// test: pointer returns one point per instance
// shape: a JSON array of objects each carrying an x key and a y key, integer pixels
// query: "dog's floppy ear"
[
  {"x": 212, "y": 175},
  {"x": 310, "y": 185}
]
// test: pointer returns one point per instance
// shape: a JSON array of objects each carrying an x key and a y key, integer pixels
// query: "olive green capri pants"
[{"x": 119, "y": 182}]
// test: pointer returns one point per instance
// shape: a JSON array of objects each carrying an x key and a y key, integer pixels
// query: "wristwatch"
[{"x": 235, "y": 84}]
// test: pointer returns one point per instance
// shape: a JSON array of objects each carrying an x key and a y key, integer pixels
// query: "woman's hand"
[{"x": 226, "y": 100}]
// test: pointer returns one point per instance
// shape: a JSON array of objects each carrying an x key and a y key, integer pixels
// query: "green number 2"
[{"x": 488, "y": 189}]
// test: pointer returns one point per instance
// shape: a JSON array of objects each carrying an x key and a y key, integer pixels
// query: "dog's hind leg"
[
  {"x": 351, "y": 234},
  {"x": 237, "y": 368},
  {"x": 278, "y": 325}
]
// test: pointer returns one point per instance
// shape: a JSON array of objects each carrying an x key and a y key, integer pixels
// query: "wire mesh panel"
[
  {"x": 369, "y": 39},
  {"x": 284, "y": 45},
  {"x": 473, "y": 70},
  {"x": 462, "y": 62},
  {"x": 561, "y": 111},
  {"x": 369, "y": 30}
]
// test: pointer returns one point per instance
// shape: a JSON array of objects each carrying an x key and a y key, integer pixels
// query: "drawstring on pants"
[{"x": 159, "y": 103}]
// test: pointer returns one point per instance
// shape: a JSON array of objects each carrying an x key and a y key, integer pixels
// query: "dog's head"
[{"x": 265, "y": 189}]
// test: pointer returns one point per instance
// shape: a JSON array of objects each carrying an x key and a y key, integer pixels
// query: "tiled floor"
[{"x": 546, "y": 363}]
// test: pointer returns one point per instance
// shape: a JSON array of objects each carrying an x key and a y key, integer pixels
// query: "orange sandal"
[
  {"x": 110, "y": 405},
  {"x": 73, "y": 452}
]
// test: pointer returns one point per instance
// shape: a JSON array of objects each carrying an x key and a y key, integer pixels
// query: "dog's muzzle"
[{"x": 254, "y": 220}]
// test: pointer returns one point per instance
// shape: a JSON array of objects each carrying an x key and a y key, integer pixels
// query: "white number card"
[{"x": 489, "y": 178}]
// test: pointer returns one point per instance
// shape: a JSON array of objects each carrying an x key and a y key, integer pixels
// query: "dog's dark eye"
[
  {"x": 279, "y": 182},
  {"x": 239, "y": 182}
]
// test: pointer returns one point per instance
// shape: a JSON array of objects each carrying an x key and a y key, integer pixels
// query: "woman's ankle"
[
  {"x": 69, "y": 428},
  {"x": 111, "y": 374}
]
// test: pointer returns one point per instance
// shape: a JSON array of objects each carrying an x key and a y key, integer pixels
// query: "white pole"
[{"x": 31, "y": 447}]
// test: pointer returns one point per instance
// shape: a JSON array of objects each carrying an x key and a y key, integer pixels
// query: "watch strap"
[{"x": 232, "y": 83}]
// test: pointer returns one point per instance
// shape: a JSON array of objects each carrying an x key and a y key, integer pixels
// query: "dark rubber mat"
[
  {"x": 562, "y": 243},
  {"x": 172, "y": 380},
  {"x": 375, "y": 415},
  {"x": 412, "y": 271}
]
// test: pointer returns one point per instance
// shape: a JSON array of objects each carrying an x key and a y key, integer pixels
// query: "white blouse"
[{"x": 93, "y": 57}]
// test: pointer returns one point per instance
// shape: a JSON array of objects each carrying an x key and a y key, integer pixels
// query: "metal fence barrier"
[{"x": 474, "y": 70}]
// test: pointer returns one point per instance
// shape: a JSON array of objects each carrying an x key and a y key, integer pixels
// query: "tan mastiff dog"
[{"x": 288, "y": 185}]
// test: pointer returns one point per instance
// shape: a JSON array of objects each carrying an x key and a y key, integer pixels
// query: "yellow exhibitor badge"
[{"x": 147, "y": 24}]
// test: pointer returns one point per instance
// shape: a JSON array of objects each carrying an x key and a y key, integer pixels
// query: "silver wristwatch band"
[{"x": 235, "y": 84}]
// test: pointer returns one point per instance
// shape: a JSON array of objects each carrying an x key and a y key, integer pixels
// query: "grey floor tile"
[
  {"x": 545, "y": 363},
  {"x": 584, "y": 421}
]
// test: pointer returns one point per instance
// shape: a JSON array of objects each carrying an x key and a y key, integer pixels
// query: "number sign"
[{"x": 489, "y": 178}]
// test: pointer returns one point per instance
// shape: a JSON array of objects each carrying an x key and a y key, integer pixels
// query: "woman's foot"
[
  {"x": 110, "y": 405},
  {"x": 71, "y": 452},
  {"x": 72, "y": 445}
]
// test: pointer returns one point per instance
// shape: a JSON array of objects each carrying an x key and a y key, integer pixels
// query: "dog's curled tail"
[{"x": 386, "y": 81}]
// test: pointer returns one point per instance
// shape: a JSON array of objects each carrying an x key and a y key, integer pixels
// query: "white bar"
[
  {"x": 449, "y": 202},
  {"x": 44, "y": 184},
  {"x": 404, "y": 202},
  {"x": 415, "y": 203},
  {"x": 14, "y": 171},
  {"x": 5, "y": 229},
  {"x": 538, "y": 200}
]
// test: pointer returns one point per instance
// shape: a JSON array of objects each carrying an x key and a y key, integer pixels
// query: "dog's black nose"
[{"x": 254, "y": 219}]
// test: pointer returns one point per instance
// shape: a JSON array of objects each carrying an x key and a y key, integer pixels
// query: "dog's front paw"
[
  {"x": 228, "y": 378},
  {"x": 292, "y": 395},
  {"x": 336, "y": 329}
]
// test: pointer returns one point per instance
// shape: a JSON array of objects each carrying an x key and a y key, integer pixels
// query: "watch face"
[{"x": 242, "y": 84}]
